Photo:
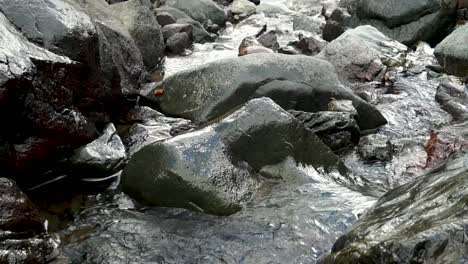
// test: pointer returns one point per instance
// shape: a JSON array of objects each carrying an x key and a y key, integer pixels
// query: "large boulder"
[
  {"x": 217, "y": 169},
  {"x": 141, "y": 23},
  {"x": 423, "y": 221},
  {"x": 405, "y": 21},
  {"x": 120, "y": 66},
  {"x": 200, "y": 10},
  {"x": 363, "y": 54},
  {"x": 294, "y": 82},
  {"x": 22, "y": 229},
  {"x": 452, "y": 52},
  {"x": 37, "y": 93}
]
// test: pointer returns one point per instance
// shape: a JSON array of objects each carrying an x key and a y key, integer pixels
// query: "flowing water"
[{"x": 294, "y": 223}]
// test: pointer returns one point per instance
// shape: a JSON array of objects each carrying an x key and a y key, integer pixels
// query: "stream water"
[{"x": 294, "y": 223}]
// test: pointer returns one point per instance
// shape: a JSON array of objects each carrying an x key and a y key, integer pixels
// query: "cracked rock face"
[{"x": 218, "y": 168}]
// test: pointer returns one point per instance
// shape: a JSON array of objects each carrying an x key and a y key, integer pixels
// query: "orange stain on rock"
[{"x": 158, "y": 92}]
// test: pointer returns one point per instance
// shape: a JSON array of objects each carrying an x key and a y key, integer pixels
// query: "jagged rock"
[
  {"x": 452, "y": 52},
  {"x": 39, "y": 110},
  {"x": 102, "y": 157},
  {"x": 362, "y": 54},
  {"x": 375, "y": 147},
  {"x": 338, "y": 130},
  {"x": 423, "y": 221},
  {"x": 294, "y": 82},
  {"x": 215, "y": 169},
  {"x": 148, "y": 126},
  {"x": 406, "y": 22}
]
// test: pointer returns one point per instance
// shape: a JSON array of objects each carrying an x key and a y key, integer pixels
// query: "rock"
[
  {"x": 269, "y": 40},
  {"x": 200, "y": 10},
  {"x": 211, "y": 27},
  {"x": 273, "y": 8},
  {"x": 172, "y": 29},
  {"x": 58, "y": 26},
  {"x": 445, "y": 142},
  {"x": 452, "y": 52},
  {"x": 243, "y": 8},
  {"x": 361, "y": 54},
  {"x": 338, "y": 130},
  {"x": 103, "y": 157},
  {"x": 375, "y": 147},
  {"x": 149, "y": 126},
  {"x": 420, "y": 222},
  {"x": 250, "y": 45},
  {"x": 294, "y": 82},
  {"x": 408, "y": 23},
  {"x": 143, "y": 27},
  {"x": 39, "y": 108},
  {"x": 178, "y": 43},
  {"x": 199, "y": 32},
  {"x": 310, "y": 45},
  {"x": 453, "y": 99},
  {"x": 164, "y": 19},
  {"x": 120, "y": 66},
  {"x": 215, "y": 169},
  {"x": 345, "y": 106},
  {"x": 307, "y": 23},
  {"x": 22, "y": 229}
]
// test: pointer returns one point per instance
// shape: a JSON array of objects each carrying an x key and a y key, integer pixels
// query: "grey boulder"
[
  {"x": 139, "y": 20},
  {"x": 200, "y": 10},
  {"x": 218, "y": 168},
  {"x": 452, "y": 52},
  {"x": 405, "y": 21},
  {"x": 363, "y": 54},
  {"x": 294, "y": 82}
]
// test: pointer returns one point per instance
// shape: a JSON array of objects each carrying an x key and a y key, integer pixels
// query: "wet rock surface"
[
  {"x": 23, "y": 237},
  {"x": 338, "y": 130},
  {"x": 212, "y": 171},
  {"x": 72, "y": 67},
  {"x": 422, "y": 221}
]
